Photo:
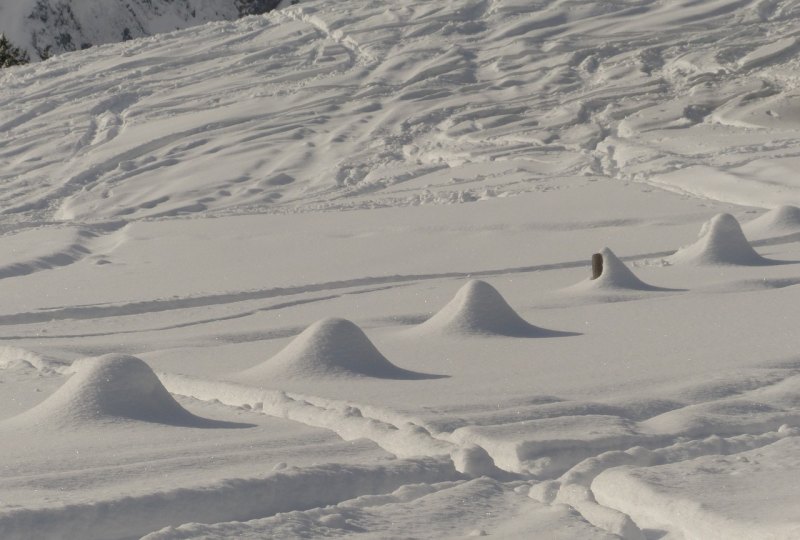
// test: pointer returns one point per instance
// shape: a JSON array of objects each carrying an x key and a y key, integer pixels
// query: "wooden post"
[{"x": 597, "y": 265}]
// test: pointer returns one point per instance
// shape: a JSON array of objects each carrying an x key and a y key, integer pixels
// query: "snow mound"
[
  {"x": 615, "y": 276},
  {"x": 14, "y": 358},
  {"x": 474, "y": 461},
  {"x": 721, "y": 242},
  {"x": 478, "y": 308},
  {"x": 105, "y": 389},
  {"x": 330, "y": 347},
  {"x": 779, "y": 221}
]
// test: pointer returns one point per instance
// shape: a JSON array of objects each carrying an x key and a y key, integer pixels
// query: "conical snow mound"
[
  {"x": 109, "y": 388},
  {"x": 721, "y": 241},
  {"x": 478, "y": 308},
  {"x": 328, "y": 348},
  {"x": 616, "y": 276},
  {"x": 777, "y": 222}
]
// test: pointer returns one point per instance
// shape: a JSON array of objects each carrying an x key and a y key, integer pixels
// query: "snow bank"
[
  {"x": 328, "y": 348},
  {"x": 702, "y": 498},
  {"x": 346, "y": 420},
  {"x": 723, "y": 417},
  {"x": 108, "y": 389},
  {"x": 478, "y": 308},
  {"x": 575, "y": 487},
  {"x": 720, "y": 242},
  {"x": 549, "y": 446}
]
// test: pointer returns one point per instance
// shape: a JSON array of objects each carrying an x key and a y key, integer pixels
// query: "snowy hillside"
[
  {"x": 47, "y": 27},
  {"x": 326, "y": 272}
]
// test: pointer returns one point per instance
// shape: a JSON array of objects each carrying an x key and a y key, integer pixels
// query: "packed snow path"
[{"x": 171, "y": 198}]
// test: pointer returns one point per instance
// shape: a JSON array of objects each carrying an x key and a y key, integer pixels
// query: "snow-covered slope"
[
  {"x": 47, "y": 27},
  {"x": 322, "y": 105},
  {"x": 440, "y": 174}
]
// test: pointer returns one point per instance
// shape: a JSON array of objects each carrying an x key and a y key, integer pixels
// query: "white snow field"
[{"x": 325, "y": 272}]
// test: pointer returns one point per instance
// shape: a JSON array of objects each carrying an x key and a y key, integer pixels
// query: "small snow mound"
[
  {"x": 545, "y": 492},
  {"x": 615, "y": 276},
  {"x": 328, "y": 348},
  {"x": 15, "y": 358},
  {"x": 721, "y": 242},
  {"x": 473, "y": 460},
  {"x": 779, "y": 221},
  {"x": 107, "y": 389},
  {"x": 478, "y": 308}
]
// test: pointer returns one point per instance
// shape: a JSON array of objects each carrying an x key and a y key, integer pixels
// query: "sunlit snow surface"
[{"x": 199, "y": 199}]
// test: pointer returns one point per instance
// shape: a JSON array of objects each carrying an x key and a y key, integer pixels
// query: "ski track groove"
[
  {"x": 235, "y": 499},
  {"x": 154, "y": 306},
  {"x": 83, "y": 246}
]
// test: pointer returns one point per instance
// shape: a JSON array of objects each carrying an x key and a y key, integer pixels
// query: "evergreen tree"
[{"x": 11, "y": 55}]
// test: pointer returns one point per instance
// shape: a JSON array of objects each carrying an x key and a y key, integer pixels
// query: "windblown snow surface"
[{"x": 325, "y": 273}]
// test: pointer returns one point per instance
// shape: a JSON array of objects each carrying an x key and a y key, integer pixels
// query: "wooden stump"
[{"x": 597, "y": 265}]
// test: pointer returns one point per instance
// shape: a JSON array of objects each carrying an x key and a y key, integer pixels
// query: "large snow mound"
[
  {"x": 779, "y": 221},
  {"x": 720, "y": 242},
  {"x": 330, "y": 347},
  {"x": 478, "y": 308},
  {"x": 106, "y": 389}
]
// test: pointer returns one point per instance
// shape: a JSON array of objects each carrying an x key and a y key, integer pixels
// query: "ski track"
[
  {"x": 425, "y": 452},
  {"x": 236, "y": 499},
  {"x": 154, "y": 306},
  {"x": 79, "y": 251},
  {"x": 406, "y": 437},
  {"x": 86, "y": 242}
]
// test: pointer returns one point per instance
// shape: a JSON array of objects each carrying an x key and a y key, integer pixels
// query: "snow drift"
[
  {"x": 328, "y": 348},
  {"x": 109, "y": 388},
  {"x": 720, "y": 242},
  {"x": 479, "y": 309}
]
